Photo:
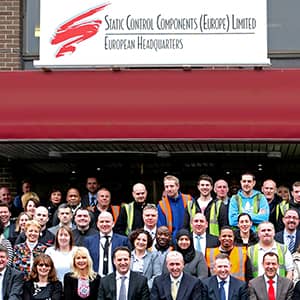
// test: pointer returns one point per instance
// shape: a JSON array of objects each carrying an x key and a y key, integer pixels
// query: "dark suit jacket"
[
  {"x": 279, "y": 239},
  {"x": 137, "y": 289},
  {"x": 191, "y": 288},
  {"x": 238, "y": 289},
  {"x": 12, "y": 284},
  {"x": 212, "y": 241},
  {"x": 258, "y": 289},
  {"x": 71, "y": 284},
  {"x": 92, "y": 243}
]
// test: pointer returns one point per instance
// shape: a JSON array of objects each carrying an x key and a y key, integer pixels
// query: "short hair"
[
  {"x": 150, "y": 206},
  {"x": 296, "y": 184},
  {"x": 63, "y": 206},
  {"x": 292, "y": 209},
  {"x": 134, "y": 235},
  {"x": 174, "y": 254},
  {"x": 32, "y": 223},
  {"x": 244, "y": 214},
  {"x": 5, "y": 205},
  {"x": 172, "y": 177},
  {"x": 272, "y": 254},
  {"x": 81, "y": 208},
  {"x": 198, "y": 213},
  {"x": 264, "y": 223},
  {"x": 222, "y": 256},
  {"x": 248, "y": 173},
  {"x": 206, "y": 178},
  {"x": 121, "y": 248},
  {"x": 69, "y": 231},
  {"x": 46, "y": 259},
  {"x": 226, "y": 227}
]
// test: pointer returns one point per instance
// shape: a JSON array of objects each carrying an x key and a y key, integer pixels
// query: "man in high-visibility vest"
[
  {"x": 250, "y": 201},
  {"x": 241, "y": 265},
  {"x": 131, "y": 214},
  {"x": 266, "y": 234},
  {"x": 171, "y": 207}
]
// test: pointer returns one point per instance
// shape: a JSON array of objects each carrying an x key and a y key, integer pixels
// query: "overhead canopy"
[{"x": 151, "y": 105}]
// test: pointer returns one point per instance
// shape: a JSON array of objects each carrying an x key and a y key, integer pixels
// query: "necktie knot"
[
  {"x": 222, "y": 283},
  {"x": 270, "y": 281}
]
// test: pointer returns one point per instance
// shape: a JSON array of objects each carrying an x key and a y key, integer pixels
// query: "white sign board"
[{"x": 137, "y": 33}]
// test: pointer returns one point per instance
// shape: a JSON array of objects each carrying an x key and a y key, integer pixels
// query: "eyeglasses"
[{"x": 43, "y": 265}]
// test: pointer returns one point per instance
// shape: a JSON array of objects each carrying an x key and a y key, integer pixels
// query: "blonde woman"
[{"x": 82, "y": 282}]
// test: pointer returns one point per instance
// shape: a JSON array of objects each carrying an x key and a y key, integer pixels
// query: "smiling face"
[
  {"x": 122, "y": 261},
  {"x": 105, "y": 223},
  {"x": 171, "y": 188},
  {"x": 221, "y": 189},
  {"x": 30, "y": 208},
  {"x": 247, "y": 184},
  {"x": 184, "y": 242},
  {"x": 139, "y": 193},
  {"x": 32, "y": 233},
  {"x": 291, "y": 220},
  {"x": 3, "y": 260},
  {"x": 222, "y": 268},
  {"x": 199, "y": 224},
  {"x": 204, "y": 187},
  {"x": 270, "y": 264},
  {"x": 150, "y": 217},
  {"x": 140, "y": 243},
  {"x": 63, "y": 238},
  {"x": 175, "y": 264},
  {"x": 55, "y": 197},
  {"x": 163, "y": 236},
  {"x": 226, "y": 239},
  {"x": 244, "y": 224}
]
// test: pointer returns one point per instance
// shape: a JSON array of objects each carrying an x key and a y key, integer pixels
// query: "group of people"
[{"x": 243, "y": 246}]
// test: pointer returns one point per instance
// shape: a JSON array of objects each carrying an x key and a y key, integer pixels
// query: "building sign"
[{"x": 95, "y": 33}]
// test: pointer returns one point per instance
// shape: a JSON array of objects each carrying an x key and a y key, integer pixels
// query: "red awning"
[{"x": 151, "y": 104}]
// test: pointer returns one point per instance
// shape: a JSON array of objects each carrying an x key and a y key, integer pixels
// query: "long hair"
[
  {"x": 45, "y": 259},
  {"x": 84, "y": 252},
  {"x": 68, "y": 230},
  {"x": 23, "y": 213}
]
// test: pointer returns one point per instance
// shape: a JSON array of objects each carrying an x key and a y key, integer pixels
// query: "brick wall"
[
  {"x": 10, "y": 35},
  {"x": 6, "y": 178}
]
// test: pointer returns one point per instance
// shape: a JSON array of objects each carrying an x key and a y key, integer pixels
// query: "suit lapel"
[
  {"x": 5, "y": 281},
  {"x": 182, "y": 288},
  {"x": 147, "y": 261},
  {"x": 231, "y": 288},
  {"x": 279, "y": 286},
  {"x": 167, "y": 287},
  {"x": 215, "y": 287},
  {"x": 131, "y": 286},
  {"x": 261, "y": 284}
]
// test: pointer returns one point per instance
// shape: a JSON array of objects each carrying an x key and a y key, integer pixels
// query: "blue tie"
[
  {"x": 291, "y": 243},
  {"x": 198, "y": 245},
  {"x": 222, "y": 290}
]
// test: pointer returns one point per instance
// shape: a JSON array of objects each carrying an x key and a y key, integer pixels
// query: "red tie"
[{"x": 271, "y": 291}]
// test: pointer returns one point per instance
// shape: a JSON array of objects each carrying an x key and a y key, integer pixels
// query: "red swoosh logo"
[{"x": 76, "y": 31}]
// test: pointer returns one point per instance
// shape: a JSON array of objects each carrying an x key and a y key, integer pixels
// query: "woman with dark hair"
[
  {"x": 55, "y": 199},
  {"x": 142, "y": 260},
  {"x": 82, "y": 282},
  {"x": 245, "y": 236},
  {"x": 194, "y": 261},
  {"x": 42, "y": 283},
  {"x": 62, "y": 251},
  {"x": 6, "y": 244}
]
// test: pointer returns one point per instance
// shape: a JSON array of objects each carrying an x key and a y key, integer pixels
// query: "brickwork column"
[
  {"x": 10, "y": 35},
  {"x": 7, "y": 179}
]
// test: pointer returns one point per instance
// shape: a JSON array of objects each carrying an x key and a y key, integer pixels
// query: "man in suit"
[
  {"x": 11, "y": 280},
  {"x": 102, "y": 245},
  {"x": 89, "y": 200},
  {"x": 235, "y": 290},
  {"x": 201, "y": 238},
  {"x": 290, "y": 236},
  {"x": 264, "y": 286},
  {"x": 177, "y": 285},
  {"x": 123, "y": 284}
]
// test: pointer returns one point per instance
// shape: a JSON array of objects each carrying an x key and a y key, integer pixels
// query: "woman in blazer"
[
  {"x": 82, "y": 282},
  {"x": 143, "y": 260},
  {"x": 43, "y": 282}
]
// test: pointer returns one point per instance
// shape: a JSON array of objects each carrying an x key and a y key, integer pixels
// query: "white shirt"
[
  {"x": 101, "y": 254},
  {"x": 289, "y": 266},
  {"x": 152, "y": 233},
  {"x": 226, "y": 285},
  {"x": 286, "y": 238},
  {"x": 119, "y": 281}
]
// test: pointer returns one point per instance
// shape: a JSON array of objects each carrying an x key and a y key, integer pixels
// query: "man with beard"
[
  {"x": 282, "y": 207},
  {"x": 266, "y": 233},
  {"x": 163, "y": 243},
  {"x": 290, "y": 236},
  {"x": 241, "y": 265},
  {"x": 131, "y": 214},
  {"x": 223, "y": 284},
  {"x": 264, "y": 286}
]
